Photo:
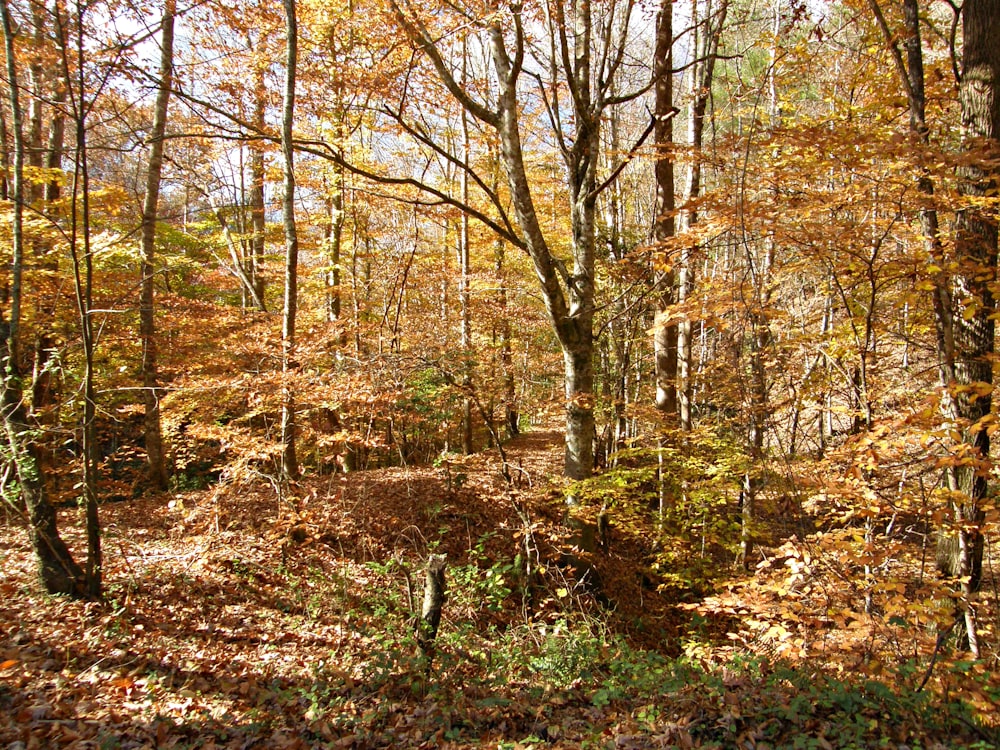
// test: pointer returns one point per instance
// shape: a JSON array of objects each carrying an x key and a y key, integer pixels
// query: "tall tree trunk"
[
  {"x": 80, "y": 251},
  {"x": 5, "y": 166},
  {"x": 664, "y": 226},
  {"x": 257, "y": 212},
  {"x": 58, "y": 572},
  {"x": 760, "y": 338},
  {"x": 44, "y": 380},
  {"x": 961, "y": 550},
  {"x": 664, "y": 336},
  {"x": 571, "y": 314},
  {"x": 289, "y": 461},
  {"x": 702, "y": 74},
  {"x": 36, "y": 75},
  {"x": 577, "y": 86},
  {"x": 511, "y": 416},
  {"x": 57, "y": 125},
  {"x": 465, "y": 280},
  {"x": 334, "y": 296},
  {"x": 155, "y": 464}
]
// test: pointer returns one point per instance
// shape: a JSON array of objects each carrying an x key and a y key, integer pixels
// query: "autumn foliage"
[{"x": 776, "y": 527}]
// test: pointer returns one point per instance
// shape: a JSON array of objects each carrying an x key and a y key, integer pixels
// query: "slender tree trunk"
[
  {"x": 36, "y": 76},
  {"x": 155, "y": 463},
  {"x": 257, "y": 209},
  {"x": 465, "y": 280},
  {"x": 5, "y": 166},
  {"x": 511, "y": 417},
  {"x": 289, "y": 461},
  {"x": 568, "y": 293},
  {"x": 702, "y": 74},
  {"x": 44, "y": 380},
  {"x": 571, "y": 318},
  {"x": 509, "y": 386},
  {"x": 760, "y": 342},
  {"x": 664, "y": 336},
  {"x": 334, "y": 296},
  {"x": 80, "y": 252},
  {"x": 57, "y": 125}
]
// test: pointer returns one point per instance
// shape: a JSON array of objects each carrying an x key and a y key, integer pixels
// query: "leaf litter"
[{"x": 235, "y": 619}]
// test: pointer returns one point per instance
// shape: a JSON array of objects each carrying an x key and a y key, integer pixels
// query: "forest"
[{"x": 473, "y": 373}]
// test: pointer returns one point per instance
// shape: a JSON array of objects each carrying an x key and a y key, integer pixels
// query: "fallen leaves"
[{"x": 222, "y": 636}]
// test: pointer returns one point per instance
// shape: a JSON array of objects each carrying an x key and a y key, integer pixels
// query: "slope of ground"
[{"x": 238, "y": 618}]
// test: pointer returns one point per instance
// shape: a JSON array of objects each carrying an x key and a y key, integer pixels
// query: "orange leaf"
[{"x": 8, "y": 664}]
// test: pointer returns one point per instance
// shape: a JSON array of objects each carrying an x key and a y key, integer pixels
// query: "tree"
[
  {"x": 289, "y": 460},
  {"x": 706, "y": 51},
  {"x": 147, "y": 325},
  {"x": 584, "y": 52},
  {"x": 664, "y": 335},
  {"x": 59, "y": 573},
  {"x": 83, "y": 283},
  {"x": 24, "y": 432},
  {"x": 968, "y": 343},
  {"x": 963, "y": 301}
]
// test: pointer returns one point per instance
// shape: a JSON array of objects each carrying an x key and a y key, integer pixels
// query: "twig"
[{"x": 937, "y": 650}]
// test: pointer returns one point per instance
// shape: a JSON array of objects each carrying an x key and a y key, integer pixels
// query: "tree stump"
[{"x": 434, "y": 599}]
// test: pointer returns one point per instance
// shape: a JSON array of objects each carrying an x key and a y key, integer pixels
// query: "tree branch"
[
  {"x": 417, "y": 33},
  {"x": 632, "y": 153}
]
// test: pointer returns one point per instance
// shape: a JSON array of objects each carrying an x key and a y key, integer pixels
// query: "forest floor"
[{"x": 235, "y": 618}]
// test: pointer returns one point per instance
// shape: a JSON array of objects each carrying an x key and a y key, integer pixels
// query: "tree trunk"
[
  {"x": 334, "y": 296},
  {"x": 465, "y": 281},
  {"x": 57, "y": 570},
  {"x": 155, "y": 463},
  {"x": 44, "y": 382},
  {"x": 706, "y": 52},
  {"x": 578, "y": 95},
  {"x": 511, "y": 417},
  {"x": 572, "y": 319},
  {"x": 289, "y": 461},
  {"x": 970, "y": 317},
  {"x": 257, "y": 210},
  {"x": 80, "y": 252},
  {"x": 580, "y": 427},
  {"x": 664, "y": 336},
  {"x": 36, "y": 76}
]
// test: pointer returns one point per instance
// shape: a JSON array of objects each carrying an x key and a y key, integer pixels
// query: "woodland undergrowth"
[{"x": 235, "y": 618}]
